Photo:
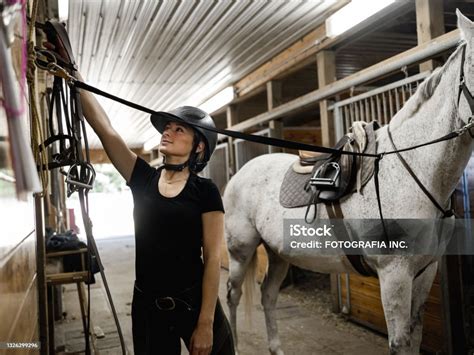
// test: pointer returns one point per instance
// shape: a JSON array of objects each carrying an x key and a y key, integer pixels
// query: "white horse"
[{"x": 254, "y": 214}]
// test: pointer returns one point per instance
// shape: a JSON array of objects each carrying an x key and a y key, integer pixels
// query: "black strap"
[
  {"x": 446, "y": 213},
  {"x": 357, "y": 261},
  {"x": 379, "y": 202},
  {"x": 276, "y": 142}
]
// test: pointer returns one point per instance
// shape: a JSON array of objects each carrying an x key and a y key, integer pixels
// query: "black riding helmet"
[{"x": 189, "y": 115}]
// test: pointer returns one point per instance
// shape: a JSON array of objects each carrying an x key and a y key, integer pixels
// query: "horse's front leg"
[
  {"x": 421, "y": 289},
  {"x": 396, "y": 291}
]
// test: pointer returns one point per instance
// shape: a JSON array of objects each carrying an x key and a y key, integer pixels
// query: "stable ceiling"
[{"x": 163, "y": 54}]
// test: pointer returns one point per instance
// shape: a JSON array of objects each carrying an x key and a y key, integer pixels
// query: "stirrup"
[
  {"x": 79, "y": 175},
  {"x": 332, "y": 169}
]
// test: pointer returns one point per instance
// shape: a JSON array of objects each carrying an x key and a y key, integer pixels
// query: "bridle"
[
  {"x": 71, "y": 136},
  {"x": 462, "y": 89}
]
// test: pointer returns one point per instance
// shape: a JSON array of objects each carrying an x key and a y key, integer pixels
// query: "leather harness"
[{"x": 72, "y": 138}]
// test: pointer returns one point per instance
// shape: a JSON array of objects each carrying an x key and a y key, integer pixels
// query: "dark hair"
[{"x": 196, "y": 160}]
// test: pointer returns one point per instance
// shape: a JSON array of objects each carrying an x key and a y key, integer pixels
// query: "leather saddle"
[{"x": 317, "y": 177}]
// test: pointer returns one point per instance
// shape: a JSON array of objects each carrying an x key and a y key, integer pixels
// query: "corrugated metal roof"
[{"x": 163, "y": 54}]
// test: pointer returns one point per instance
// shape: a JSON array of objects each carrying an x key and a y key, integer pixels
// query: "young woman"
[{"x": 176, "y": 214}]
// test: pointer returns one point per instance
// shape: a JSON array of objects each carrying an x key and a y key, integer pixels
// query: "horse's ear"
[{"x": 465, "y": 25}]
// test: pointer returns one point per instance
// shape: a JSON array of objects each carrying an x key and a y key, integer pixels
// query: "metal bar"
[
  {"x": 384, "y": 107},
  {"x": 411, "y": 79},
  {"x": 352, "y": 116},
  {"x": 379, "y": 112},
  {"x": 397, "y": 100},
  {"x": 346, "y": 118},
  {"x": 338, "y": 124},
  {"x": 367, "y": 112},
  {"x": 372, "y": 109},
  {"x": 390, "y": 106}
]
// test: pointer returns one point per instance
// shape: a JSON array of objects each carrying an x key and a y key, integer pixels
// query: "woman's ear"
[{"x": 200, "y": 147}]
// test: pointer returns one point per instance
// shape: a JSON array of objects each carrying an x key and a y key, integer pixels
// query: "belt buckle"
[{"x": 171, "y": 303}]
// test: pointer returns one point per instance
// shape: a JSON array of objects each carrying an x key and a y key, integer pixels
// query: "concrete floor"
[{"x": 306, "y": 324}]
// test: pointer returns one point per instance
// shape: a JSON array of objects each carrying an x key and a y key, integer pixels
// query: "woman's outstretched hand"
[{"x": 201, "y": 340}]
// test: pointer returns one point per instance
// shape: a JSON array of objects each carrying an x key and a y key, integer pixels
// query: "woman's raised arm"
[{"x": 119, "y": 154}]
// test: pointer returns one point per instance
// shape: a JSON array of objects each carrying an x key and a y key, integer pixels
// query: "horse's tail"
[{"x": 249, "y": 286}]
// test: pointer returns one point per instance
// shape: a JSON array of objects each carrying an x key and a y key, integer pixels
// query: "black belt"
[{"x": 167, "y": 301}]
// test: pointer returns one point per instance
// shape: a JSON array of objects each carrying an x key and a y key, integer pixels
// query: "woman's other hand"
[{"x": 201, "y": 340}]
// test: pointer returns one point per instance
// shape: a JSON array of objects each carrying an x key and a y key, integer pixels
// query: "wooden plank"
[
  {"x": 453, "y": 304},
  {"x": 232, "y": 119},
  {"x": 336, "y": 307},
  {"x": 285, "y": 62},
  {"x": 66, "y": 277},
  {"x": 326, "y": 65},
  {"x": 429, "y": 25},
  {"x": 17, "y": 275}
]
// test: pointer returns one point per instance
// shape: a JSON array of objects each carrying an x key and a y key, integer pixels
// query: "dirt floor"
[{"x": 305, "y": 320}]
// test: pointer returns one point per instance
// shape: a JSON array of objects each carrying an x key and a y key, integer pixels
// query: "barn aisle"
[{"x": 307, "y": 325}]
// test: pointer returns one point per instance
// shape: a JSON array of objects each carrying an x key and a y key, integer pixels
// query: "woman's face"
[{"x": 177, "y": 140}]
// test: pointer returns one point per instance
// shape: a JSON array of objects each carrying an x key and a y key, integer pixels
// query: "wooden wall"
[{"x": 366, "y": 309}]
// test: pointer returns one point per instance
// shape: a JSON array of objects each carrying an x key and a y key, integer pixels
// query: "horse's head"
[{"x": 466, "y": 102}]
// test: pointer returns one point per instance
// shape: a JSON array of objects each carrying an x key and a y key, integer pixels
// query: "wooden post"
[
  {"x": 276, "y": 131},
  {"x": 429, "y": 25},
  {"x": 326, "y": 62},
  {"x": 274, "y": 94},
  {"x": 453, "y": 305},
  {"x": 274, "y": 99},
  {"x": 232, "y": 119},
  {"x": 41, "y": 276}
]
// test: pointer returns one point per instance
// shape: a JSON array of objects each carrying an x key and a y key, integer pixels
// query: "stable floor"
[{"x": 306, "y": 324}]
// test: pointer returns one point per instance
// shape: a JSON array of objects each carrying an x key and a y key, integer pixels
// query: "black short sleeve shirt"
[{"x": 168, "y": 231}]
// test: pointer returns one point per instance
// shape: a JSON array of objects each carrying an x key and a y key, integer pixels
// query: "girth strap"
[{"x": 357, "y": 261}]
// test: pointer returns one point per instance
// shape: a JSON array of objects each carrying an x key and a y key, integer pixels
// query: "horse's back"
[{"x": 259, "y": 177}]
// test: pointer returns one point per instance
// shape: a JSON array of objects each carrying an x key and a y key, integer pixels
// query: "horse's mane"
[{"x": 427, "y": 88}]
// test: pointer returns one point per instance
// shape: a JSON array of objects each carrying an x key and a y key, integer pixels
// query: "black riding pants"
[{"x": 158, "y": 331}]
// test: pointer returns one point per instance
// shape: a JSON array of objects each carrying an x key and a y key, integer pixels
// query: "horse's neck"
[{"x": 439, "y": 166}]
